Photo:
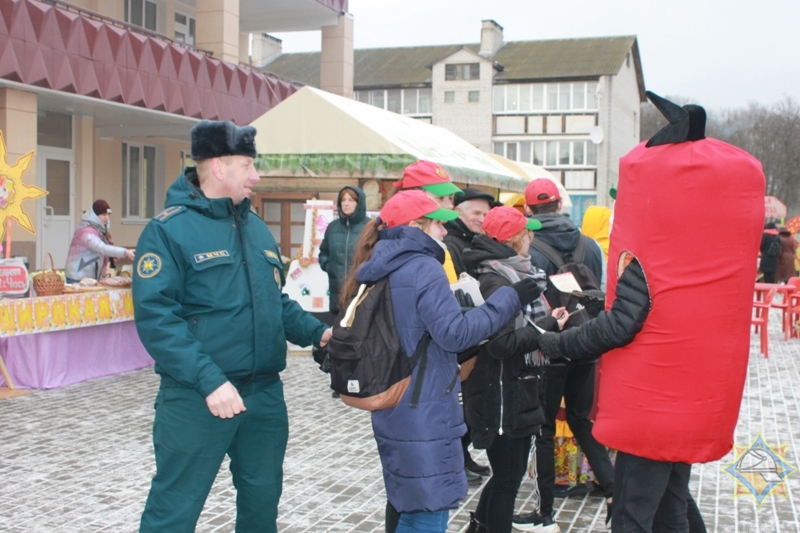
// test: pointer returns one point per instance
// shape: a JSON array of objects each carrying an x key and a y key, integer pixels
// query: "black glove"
[
  {"x": 464, "y": 300},
  {"x": 322, "y": 358},
  {"x": 528, "y": 290},
  {"x": 593, "y": 301},
  {"x": 550, "y": 346}
]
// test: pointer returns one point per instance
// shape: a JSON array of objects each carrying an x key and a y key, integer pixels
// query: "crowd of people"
[{"x": 220, "y": 388}]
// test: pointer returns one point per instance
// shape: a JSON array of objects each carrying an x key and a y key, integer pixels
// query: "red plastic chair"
[
  {"x": 792, "y": 287},
  {"x": 761, "y": 317},
  {"x": 792, "y": 310}
]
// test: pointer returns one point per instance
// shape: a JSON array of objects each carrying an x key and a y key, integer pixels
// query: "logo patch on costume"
[
  {"x": 440, "y": 172},
  {"x": 353, "y": 386},
  {"x": 199, "y": 258},
  {"x": 168, "y": 212},
  {"x": 278, "y": 278},
  {"x": 272, "y": 254},
  {"x": 149, "y": 265}
]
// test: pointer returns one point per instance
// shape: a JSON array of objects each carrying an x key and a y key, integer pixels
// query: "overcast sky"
[{"x": 720, "y": 53}]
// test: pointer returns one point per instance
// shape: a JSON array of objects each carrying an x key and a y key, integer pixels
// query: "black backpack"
[
  {"x": 569, "y": 262},
  {"x": 369, "y": 368}
]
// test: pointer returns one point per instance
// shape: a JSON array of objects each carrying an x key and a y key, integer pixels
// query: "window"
[
  {"x": 405, "y": 101},
  {"x": 393, "y": 100},
  {"x": 424, "y": 96},
  {"x": 138, "y": 180},
  {"x": 141, "y": 13},
  {"x": 462, "y": 71},
  {"x": 536, "y": 97},
  {"x": 285, "y": 217},
  {"x": 449, "y": 97},
  {"x": 54, "y": 129},
  {"x": 186, "y": 159},
  {"x": 563, "y": 153},
  {"x": 474, "y": 96},
  {"x": 184, "y": 28}
]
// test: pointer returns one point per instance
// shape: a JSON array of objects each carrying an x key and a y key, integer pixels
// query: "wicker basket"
[{"x": 48, "y": 282}]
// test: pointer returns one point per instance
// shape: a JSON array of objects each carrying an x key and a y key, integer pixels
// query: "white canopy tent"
[
  {"x": 532, "y": 172},
  {"x": 319, "y": 134}
]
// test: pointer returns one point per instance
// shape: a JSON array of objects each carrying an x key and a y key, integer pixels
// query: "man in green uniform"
[{"x": 210, "y": 311}]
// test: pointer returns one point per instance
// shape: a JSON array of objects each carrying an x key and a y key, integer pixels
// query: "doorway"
[
  {"x": 55, "y": 172},
  {"x": 285, "y": 216}
]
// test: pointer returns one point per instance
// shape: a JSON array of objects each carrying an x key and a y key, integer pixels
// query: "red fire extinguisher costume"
[{"x": 690, "y": 211}]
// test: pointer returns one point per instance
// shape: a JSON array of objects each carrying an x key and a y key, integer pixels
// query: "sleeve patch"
[{"x": 149, "y": 265}]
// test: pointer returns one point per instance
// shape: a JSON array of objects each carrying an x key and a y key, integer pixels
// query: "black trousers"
[
  {"x": 650, "y": 496},
  {"x": 508, "y": 458},
  {"x": 576, "y": 384}
]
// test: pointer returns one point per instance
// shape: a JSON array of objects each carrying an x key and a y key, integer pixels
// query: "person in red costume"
[{"x": 676, "y": 333}]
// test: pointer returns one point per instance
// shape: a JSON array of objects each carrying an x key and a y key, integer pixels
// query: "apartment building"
[
  {"x": 569, "y": 105},
  {"x": 106, "y": 91}
]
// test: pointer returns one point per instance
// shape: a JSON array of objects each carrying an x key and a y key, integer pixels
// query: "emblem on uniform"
[
  {"x": 272, "y": 254},
  {"x": 149, "y": 265},
  {"x": 278, "y": 278}
]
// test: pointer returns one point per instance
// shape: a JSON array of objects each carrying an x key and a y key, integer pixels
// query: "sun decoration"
[{"x": 13, "y": 191}]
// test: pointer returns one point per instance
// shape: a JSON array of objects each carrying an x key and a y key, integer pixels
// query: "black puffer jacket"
[
  {"x": 611, "y": 329},
  {"x": 458, "y": 238},
  {"x": 501, "y": 385}
]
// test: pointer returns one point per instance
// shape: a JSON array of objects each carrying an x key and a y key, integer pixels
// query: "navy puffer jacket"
[{"x": 420, "y": 447}]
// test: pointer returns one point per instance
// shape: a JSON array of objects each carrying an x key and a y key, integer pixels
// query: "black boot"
[{"x": 474, "y": 525}]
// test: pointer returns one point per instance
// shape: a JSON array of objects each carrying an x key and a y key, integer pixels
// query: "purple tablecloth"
[{"x": 59, "y": 358}]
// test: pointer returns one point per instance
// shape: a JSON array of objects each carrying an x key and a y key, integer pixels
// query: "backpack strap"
[
  {"x": 555, "y": 257},
  {"x": 580, "y": 250},
  {"x": 549, "y": 252},
  {"x": 421, "y": 356}
]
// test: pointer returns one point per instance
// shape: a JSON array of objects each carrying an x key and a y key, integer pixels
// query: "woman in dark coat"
[
  {"x": 770, "y": 250},
  {"x": 502, "y": 395},
  {"x": 420, "y": 446},
  {"x": 785, "y": 268},
  {"x": 337, "y": 250}
]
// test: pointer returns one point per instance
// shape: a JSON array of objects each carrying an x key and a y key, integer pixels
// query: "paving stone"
[{"x": 80, "y": 459}]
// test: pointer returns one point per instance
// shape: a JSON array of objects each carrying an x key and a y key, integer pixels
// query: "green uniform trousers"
[{"x": 190, "y": 444}]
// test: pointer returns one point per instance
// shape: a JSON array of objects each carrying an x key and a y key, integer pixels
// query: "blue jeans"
[{"x": 424, "y": 522}]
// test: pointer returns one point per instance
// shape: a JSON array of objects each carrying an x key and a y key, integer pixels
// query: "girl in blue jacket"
[{"x": 420, "y": 447}]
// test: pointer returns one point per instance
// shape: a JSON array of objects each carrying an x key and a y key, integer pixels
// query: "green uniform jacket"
[{"x": 207, "y": 293}]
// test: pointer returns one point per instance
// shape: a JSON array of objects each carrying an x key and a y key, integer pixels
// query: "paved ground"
[{"x": 79, "y": 459}]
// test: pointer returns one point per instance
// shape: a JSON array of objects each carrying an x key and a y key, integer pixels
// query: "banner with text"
[{"x": 25, "y": 316}]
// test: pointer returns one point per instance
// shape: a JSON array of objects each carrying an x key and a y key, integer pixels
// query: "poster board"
[{"x": 306, "y": 282}]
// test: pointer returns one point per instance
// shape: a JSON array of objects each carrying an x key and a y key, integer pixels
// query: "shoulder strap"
[
  {"x": 548, "y": 251},
  {"x": 421, "y": 356},
  {"x": 580, "y": 251}
]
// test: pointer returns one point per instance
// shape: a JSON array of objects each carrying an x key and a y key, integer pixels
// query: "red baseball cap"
[
  {"x": 502, "y": 223},
  {"x": 430, "y": 176},
  {"x": 406, "y": 206},
  {"x": 541, "y": 191}
]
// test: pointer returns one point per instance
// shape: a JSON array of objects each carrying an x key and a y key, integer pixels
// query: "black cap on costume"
[
  {"x": 212, "y": 138},
  {"x": 687, "y": 123}
]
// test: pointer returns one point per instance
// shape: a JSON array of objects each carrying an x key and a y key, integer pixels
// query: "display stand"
[{"x": 54, "y": 341}]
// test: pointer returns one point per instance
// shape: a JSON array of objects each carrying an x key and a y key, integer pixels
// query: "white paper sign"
[
  {"x": 470, "y": 286},
  {"x": 565, "y": 282}
]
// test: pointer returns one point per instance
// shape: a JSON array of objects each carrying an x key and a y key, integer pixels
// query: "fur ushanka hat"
[{"x": 213, "y": 138}]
